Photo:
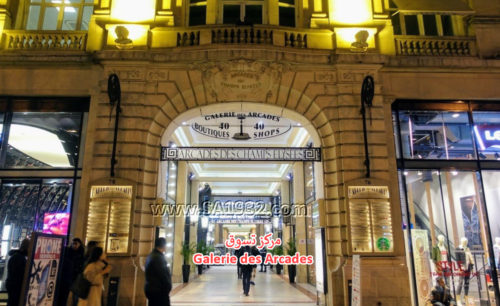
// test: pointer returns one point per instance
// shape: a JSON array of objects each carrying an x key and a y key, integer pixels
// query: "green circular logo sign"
[{"x": 383, "y": 244}]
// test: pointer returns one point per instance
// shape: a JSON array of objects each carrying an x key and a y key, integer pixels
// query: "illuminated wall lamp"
[
  {"x": 204, "y": 222},
  {"x": 123, "y": 42},
  {"x": 276, "y": 222}
]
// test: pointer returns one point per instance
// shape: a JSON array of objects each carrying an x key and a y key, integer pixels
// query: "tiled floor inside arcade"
[{"x": 220, "y": 285}]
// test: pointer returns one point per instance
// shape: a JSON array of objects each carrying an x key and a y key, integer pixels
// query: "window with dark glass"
[
  {"x": 197, "y": 12},
  {"x": 246, "y": 12},
  {"x": 287, "y": 13},
  {"x": 430, "y": 25},
  {"x": 411, "y": 23}
]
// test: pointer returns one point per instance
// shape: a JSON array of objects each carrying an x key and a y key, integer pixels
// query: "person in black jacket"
[
  {"x": 158, "y": 279},
  {"x": 247, "y": 271},
  {"x": 73, "y": 264},
  {"x": 238, "y": 254},
  {"x": 15, "y": 273},
  {"x": 255, "y": 252}
]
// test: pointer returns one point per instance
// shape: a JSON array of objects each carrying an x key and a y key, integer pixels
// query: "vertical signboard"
[
  {"x": 356, "y": 281},
  {"x": 43, "y": 269},
  {"x": 421, "y": 259},
  {"x": 319, "y": 260}
]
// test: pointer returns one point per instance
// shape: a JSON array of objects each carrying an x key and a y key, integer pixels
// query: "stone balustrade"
[
  {"x": 436, "y": 46},
  {"x": 242, "y": 35},
  {"x": 44, "y": 40}
]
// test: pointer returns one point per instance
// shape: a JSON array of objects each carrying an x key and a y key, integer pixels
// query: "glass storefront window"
[
  {"x": 309, "y": 182},
  {"x": 487, "y": 134},
  {"x": 43, "y": 140},
  {"x": 42, "y": 205},
  {"x": 449, "y": 233},
  {"x": 436, "y": 135}
]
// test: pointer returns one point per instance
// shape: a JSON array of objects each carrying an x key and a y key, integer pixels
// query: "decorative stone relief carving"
[
  {"x": 126, "y": 73},
  {"x": 157, "y": 75},
  {"x": 327, "y": 77},
  {"x": 355, "y": 76},
  {"x": 241, "y": 80}
]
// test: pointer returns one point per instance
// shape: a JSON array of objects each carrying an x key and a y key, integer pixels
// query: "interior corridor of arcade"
[{"x": 248, "y": 197}]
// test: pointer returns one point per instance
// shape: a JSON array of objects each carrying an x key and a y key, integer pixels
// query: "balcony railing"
[
  {"x": 436, "y": 46},
  {"x": 242, "y": 35},
  {"x": 44, "y": 40}
]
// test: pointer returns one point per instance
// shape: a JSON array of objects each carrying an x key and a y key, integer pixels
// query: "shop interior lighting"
[
  {"x": 454, "y": 172},
  {"x": 405, "y": 173},
  {"x": 184, "y": 123},
  {"x": 419, "y": 173},
  {"x": 455, "y": 115}
]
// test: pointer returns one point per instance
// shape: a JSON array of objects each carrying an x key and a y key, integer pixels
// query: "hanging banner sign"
[
  {"x": 43, "y": 268},
  {"x": 240, "y": 154}
]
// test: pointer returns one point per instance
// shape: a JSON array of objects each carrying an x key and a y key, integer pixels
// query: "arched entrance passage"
[{"x": 311, "y": 117}]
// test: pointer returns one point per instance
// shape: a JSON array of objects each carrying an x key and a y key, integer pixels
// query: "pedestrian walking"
[
  {"x": 158, "y": 278},
  {"x": 255, "y": 252},
  {"x": 238, "y": 254},
  {"x": 15, "y": 273},
  {"x": 247, "y": 272},
  {"x": 263, "y": 253},
  {"x": 95, "y": 269}
]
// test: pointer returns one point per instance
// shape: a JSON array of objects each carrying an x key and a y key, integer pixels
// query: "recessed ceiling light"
[
  {"x": 298, "y": 124},
  {"x": 455, "y": 115},
  {"x": 184, "y": 123}
]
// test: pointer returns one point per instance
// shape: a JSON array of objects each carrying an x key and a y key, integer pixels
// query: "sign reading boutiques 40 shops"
[{"x": 249, "y": 125}]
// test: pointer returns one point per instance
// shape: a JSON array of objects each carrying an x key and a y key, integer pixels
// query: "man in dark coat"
[
  {"x": 73, "y": 264},
  {"x": 263, "y": 253},
  {"x": 158, "y": 278},
  {"x": 15, "y": 273},
  {"x": 247, "y": 272},
  {"x": 238, "y": 254},
  {"x": 254, "y": 252}
]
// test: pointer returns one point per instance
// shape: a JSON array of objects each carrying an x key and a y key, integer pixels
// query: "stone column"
[
  {"x": 217, "y": 233},
  {"x": 285, "y": 200},
  {"x": 180, "y": 199},
  {"x": 273, "y": 12},
  {"x": 300, "y": 220},
  {"x": 212, "y": 11}
]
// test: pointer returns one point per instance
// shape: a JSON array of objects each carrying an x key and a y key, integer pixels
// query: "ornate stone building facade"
[{"x": 299, "y": 59}]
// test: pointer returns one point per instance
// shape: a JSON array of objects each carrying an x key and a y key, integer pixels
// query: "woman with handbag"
[{"x": 94, "y": 272}]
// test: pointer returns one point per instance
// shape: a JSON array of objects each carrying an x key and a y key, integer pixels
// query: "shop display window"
[
  {"x": 24, "y": 206},
  {"x": 449, "y": 232},
  {"x": 487, "y": 134}
]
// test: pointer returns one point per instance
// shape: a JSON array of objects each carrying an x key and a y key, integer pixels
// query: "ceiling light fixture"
[{"x": 456, "y": 115}]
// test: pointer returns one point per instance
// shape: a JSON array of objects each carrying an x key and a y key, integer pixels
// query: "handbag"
[{"x": 81, "y": 287}]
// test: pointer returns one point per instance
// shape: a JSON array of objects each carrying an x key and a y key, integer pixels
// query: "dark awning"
[{"x": 434, "y": 6}]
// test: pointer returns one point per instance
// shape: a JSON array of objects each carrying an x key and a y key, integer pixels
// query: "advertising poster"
[
  {"x": 470, "y": 215},
  {"x": 356, "y": 281},
  {"x": 44, "y": 262},
  {"x": 422, "y": 264}
]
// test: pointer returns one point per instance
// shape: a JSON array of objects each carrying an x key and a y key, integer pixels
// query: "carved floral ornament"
[{"x": 241, "y": 79}]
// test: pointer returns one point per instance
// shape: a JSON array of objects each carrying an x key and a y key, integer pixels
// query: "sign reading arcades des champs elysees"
[{"x": 240, "y": 154}]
